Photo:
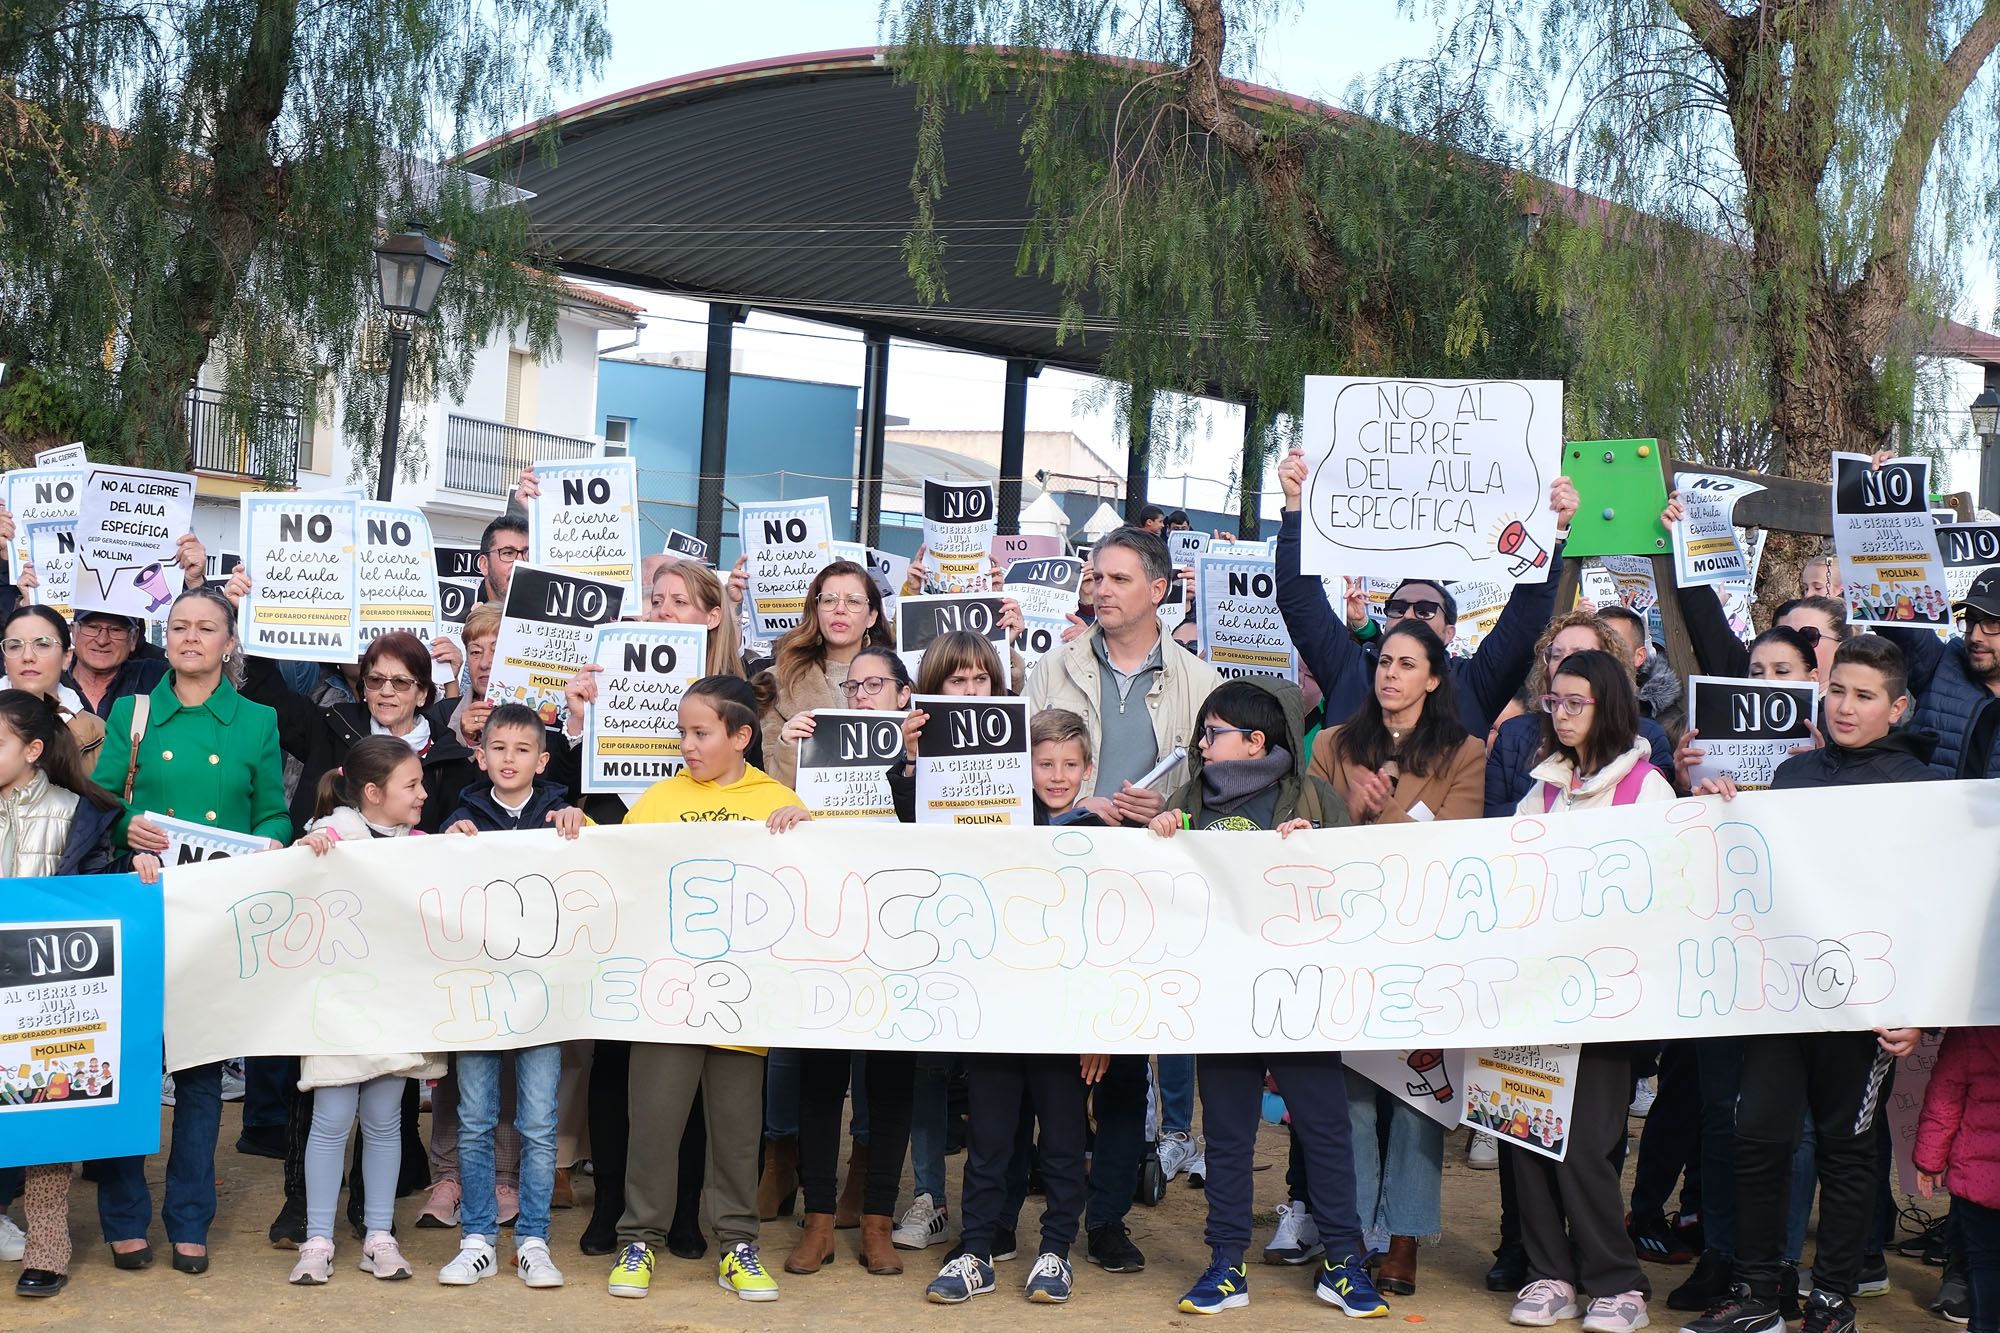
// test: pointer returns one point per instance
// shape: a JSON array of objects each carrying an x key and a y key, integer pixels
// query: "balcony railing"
[
  {"x": 485, "y": 457},
  {"x": 219, "y": 442}
]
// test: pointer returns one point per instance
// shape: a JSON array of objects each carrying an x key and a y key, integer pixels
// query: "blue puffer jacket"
[
  {"x": 1948, "y": 701},
  {"x": 1517, "y": 747}
]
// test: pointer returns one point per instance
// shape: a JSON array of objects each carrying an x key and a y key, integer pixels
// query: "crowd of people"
[{"x": 1557, "y": 709}]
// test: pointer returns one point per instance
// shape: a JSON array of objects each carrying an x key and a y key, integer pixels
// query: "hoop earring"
[{"x": 225, "y": 659}]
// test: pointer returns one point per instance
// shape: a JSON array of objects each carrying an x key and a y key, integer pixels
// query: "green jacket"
[{"x": 216, "y": 764}]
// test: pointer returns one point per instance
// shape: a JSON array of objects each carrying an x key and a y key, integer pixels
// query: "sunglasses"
[
  {"x": 1422, "y": 608},
  {"x": 1812, "y": 634}
]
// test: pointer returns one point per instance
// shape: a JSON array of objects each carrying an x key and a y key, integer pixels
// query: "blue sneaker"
[
  {"x": 1049, "y": 1281},
  {"x": 1346, "y": 1286},
  {"x": 960, "y": 1280},
  {"x": 1220, "y": 1288}
]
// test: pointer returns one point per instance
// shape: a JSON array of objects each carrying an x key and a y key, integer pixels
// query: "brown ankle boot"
[
  {"x": 779, "y": 1185},
  {"x": 1396, "y": 1274},
  {"x": 815, "y": 1246},
  {"x": 878, "y": 1245},
  {"x": 847, "y": 1212}
]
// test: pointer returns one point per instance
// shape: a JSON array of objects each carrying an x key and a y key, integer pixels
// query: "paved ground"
[{"x": 246, "y": 1287}]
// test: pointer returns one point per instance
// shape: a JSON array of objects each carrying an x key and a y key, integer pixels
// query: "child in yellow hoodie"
[{"x": 721, "y": 749}]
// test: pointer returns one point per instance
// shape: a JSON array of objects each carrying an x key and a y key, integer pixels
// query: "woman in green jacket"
[{"x": 205, "y": 754}]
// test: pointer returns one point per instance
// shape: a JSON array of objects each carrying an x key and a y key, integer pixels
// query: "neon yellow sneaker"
[
  {"x": 632, "y": 1275},
  {"x": 742, "y": 1272}
]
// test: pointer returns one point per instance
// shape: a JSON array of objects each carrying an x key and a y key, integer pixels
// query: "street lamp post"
[
  {"x": 409, "y": 270},
  {"x": 1986, "y": 426}
]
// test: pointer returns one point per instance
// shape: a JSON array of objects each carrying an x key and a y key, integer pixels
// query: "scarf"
[
  {"x": 1226, "y": 785},
  {"x": 419, "y": 736}
]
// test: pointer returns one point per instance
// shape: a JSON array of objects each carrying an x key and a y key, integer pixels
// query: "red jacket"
[{"x": 1959, "y": 1135}]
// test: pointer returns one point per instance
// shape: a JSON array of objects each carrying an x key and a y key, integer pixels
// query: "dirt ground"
[{"x": 246, "y": 1288}]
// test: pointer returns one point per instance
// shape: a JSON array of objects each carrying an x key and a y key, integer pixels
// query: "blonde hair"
[
  {"x": 704, "y": 589},
  {"x": 1060, "y": 726},
  {"x": 1607, "y": 641},
  {"x": 482, "y": 620}
]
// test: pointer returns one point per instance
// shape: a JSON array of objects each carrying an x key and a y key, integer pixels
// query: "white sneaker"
[
  {"x": 232, "y": 1080},
  {"x": 381, "y": 1256},
  {"x": 533, "y": 1262},
  {"x": 1484, "y": 1154},
  {"x": 475, "y": 1260},
  {"x": 315, "y": 1265},
  {"x": 13, "y": 1240},
  {"x": 922, "y": 1225},
  {"x": 1180, "y": 1152},
  {"x": 167, "y": 1090},
  {"x": 1297, "y": 1241},
  {"x": 1643, "y": 1098}
]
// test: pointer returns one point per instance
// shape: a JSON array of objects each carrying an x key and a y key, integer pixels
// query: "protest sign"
[
  {"x": 1748, "y": 727},
  {"x": 972, "y": 761},
  {"x": 890, "y": 572},
  {"x": 1427, "y": 1080},
  {"x": 1184, "y": 546},
  {"x": 1242, "y": 633},
  {"x": 40, "y": 495},
  {"x": 787, "y": 542},
  {"x": 1621, "y": 493},
  {"x": 396, "y": 582},
  {"x": 1046, "y": 589},
  {"x": 1523, "y": 1095},
  {"x": 188, "y": 843},
  {"x": 1618, "y": 580},
  {"x": 586, "y": 520},
  {"x": 1009, "y": 547},
  {"x": 63, "y": 456},
  {"x": 958, "y": 537},
  {"x": 1480, "y": 602},
  {"x": 920, "y": 620},
  {"x": 128, "y": 527},
  {"x": 304, "y": 601},
  {"x": 632, "y": 734},
  {"x": 456, "y": 598},
  {"x": 1173, "y": 610},
  {"x": 546, "y": 632},
  {"x": 686, "y": 547},
  {"x": 1667, "y": 920},
  {"x": 1706, "y": 550},
  {"x": 52, "y": 548},
  {"x": 1887, "y": 543},
  {"x": 844, "y": 765},
  {"x": 1967, "y": 549},
  {"x": 457, "y": 562},
  {"x": 80, "y": 992},
  {"x": 1439, "y": 479}
]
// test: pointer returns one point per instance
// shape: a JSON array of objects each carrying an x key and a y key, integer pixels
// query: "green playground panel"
[{"x": 1621, "y": 491}]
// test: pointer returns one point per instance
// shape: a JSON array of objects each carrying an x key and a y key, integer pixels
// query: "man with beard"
[{"x": 1956, "y": 683}]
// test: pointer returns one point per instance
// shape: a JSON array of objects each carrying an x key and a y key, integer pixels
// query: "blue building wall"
[{"x": 787, "y": 440}]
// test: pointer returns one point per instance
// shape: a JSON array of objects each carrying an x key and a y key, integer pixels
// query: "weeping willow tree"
[
  {"x": 183, "y": 180},
  {"x": 1216, "y": 239}
]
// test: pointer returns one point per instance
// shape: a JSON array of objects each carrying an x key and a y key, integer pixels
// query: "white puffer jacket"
[{"x": 34, "y": 825}]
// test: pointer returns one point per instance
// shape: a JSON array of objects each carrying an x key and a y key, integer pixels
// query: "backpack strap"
[
  {"x": 1549, "y": 794},
  {"x": 1630, "y": 785},
  {"x": 142, "y": 712}
]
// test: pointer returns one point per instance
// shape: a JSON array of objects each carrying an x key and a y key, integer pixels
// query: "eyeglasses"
[
  {"x": 375, "y": 680},
  {"x": 834, "y": 602},
  {"x": 1566, "y": 705},
  {"x": 510, "y": 552},
  {"x": 41, "y": 643},
  {"x": 867, "y": 687},
  {"x": 1209, "y": 735},
  {"x": 101, "y": 629},
  {"x": 1422, "y": 608},
  {"x": 1976, "y": 623}
]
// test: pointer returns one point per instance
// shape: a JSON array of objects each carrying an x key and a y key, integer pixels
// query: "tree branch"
[{"x": 1720, "y": 33}]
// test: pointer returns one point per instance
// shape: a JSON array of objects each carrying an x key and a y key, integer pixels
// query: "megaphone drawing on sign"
[{"x": 1527, "y": 552}]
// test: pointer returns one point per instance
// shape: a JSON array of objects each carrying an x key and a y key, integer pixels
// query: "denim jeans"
[
  {"x": 930, "y": 1113},
  {"x": 781, "y": 1095},
  {"x": 1980, "y": 1228},
  {"x": 1398, "y": 1187},
  {"x": 1176, "y": 1093},
  {"x": 537, "y": 1073},
  {"x": 125, "y": 1205}
]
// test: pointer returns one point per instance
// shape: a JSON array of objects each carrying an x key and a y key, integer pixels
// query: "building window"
[
  {"x": 523, "y": 407},
  {"x": 617, "y": 436}
]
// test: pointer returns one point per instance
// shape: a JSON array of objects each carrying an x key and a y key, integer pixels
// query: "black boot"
[
  {"x": 1510, "y": 1267},
  {"x": 1705, "y": 1286}
]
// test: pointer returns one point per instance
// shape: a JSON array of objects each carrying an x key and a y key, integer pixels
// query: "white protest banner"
[
  {"x": 1967, "y": 549},
  {"x": 1646, "y": 922},
  {"x": 546, "y": 631},
  {"x": 1011, "y": 546},
  {"x": 958, "y": 536},
  {"x": 35, "y": 495},
  {"x": 1184, "y": 546},
  {"x": 396, "y": 582},
  {"x": 1887, "y": 543},
  {"x": 63, "y": 456},
  {"x": 632, "y": 734},
  {"x": 304, "y": 601},
  {"x": 1480, "y": 602},
  {"x": 844, "y": 765},
  {"x": 52, "y": 547},
  {"x": 787, "y": 542},
  {"x": 972, "y": 761},
  {"x": 1440, "y": 479},
  {"x": 1749, "y": 727},
  {"x": 1523, "y": 1095},
  {"x": 1046, "y": 588},
  {"x": 686, "y": 547},
  {"x": 1426, "y": 1080},
  {"x": 188, "y": 843},
  {"x": 1242, "y": 633},
  {"x": 586, "y": 520},
  {"x": 920, "y": 620},
  {"x": 1706, "y": 549},
  {"x": 129, "y": 524}
]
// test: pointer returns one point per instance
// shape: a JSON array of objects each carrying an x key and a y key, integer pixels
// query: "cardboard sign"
[
  {"x": 686, "y": 547},
  {"x": 38, "y": 495},
  {"x": 1242, "y": 632},
  {"x": 304, "y": 579},
  {"x": 890, "y": 572},
  {"x": 958, "y": 536},
  {"x": 1438, "y": 479},
  {"x": 1887, "y": 543},
  {"x": 188, "y": 843},
  {"x": 1706, "y": 549},
  {"x": 972, "y": 761},
  {"x": 844, "y": 765},
  {"x": 1968, "y": 550},
  {"x": 52, "y": 547},
  {"x": 632, "y": 734},
  {"x": 1046, "y": 589},
  {"x": 396, "y": 573},
  {"x": 1480, "y": 602},
  {"x": 63, "y": 456},
  {"x": 1619, "y": 580},
  {"x": 586, "y": 520},
  {"x": 1748, "y": 727},
  {"x": 921, "y": 620},
  {"x": 456, "y": 598},
  {"x": 1183, "y": 547},
  {"x": 1009, "y": 547},
  {"x": 129, "y": 525},
  {"x": 1523, "y": 1095},
  {"x": 787, "y": 542},
  {"x": 1426, "y": 1081},
  {"x": 457, "y": 562},
  {"x": 1621, "y": 492},
  {"x": 222, "y": 564},
  {"x": 547, "y": 629}
]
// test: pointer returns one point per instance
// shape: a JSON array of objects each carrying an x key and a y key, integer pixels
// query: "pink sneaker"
[
  {"x": 381, "y": 1256},
  {"x": 315, "y": 1263},
  {"x": 508, "y": 1197},
  {"x": 1622, "y": 1313},
  {"x": 442, "y": 1208}
]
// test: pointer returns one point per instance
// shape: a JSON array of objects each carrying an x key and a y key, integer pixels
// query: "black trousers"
[
  {"x": 1004, "y": 1089},
  {"x": 1837, "y": 1078},
  {"x": 889, "y": 1076},
  {"x": 1120, "y": 1104},
  {"x": 1671, "y": 1141},
  {"x": 1573, "y": 1211}
]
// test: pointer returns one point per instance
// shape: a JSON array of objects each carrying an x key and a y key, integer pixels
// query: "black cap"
[{"x": 1984, "y": 594}]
